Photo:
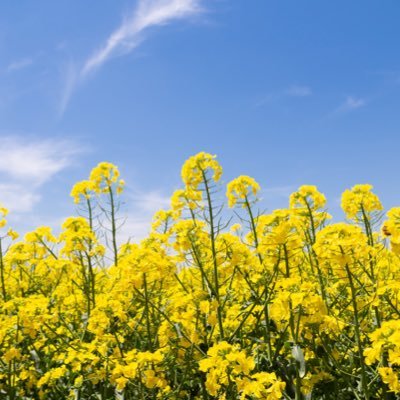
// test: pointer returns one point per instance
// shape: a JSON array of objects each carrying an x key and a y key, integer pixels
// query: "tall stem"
[
  {"x": 113, "y": 226},
  {"x": 293, "y": 331},
  {"x": 260, "y": 258},
  {"x": 364, "y": 382},
  {"x": 368, "y": 230},
  {"x": 92, "y": 276},
  {"x": 147, "y": 311},
  {"x": 2, "y": 273},
  {"x": 214, "y": 252}
]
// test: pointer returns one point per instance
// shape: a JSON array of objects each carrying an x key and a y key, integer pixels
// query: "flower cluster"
[{"x": 219, "y": 301}]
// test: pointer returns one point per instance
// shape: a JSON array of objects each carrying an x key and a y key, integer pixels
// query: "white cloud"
[
  {"x": 26, "y": 164},
  {"x": 299, "y": 91},
  {"x": 147, "y": 14},
  {"x": 352, "y": 103},
  {"x": 141, "y": 208},
  {"x": 279, "y": 191},
  {"x": 282, "y": 94},
  {"x": 134, "y": 229},
  {"x": 70, "y": 79},
  {"x": 276, "y": 196},
  {"x": 17, "y": 198},
  {"x": 150, "y": 201},
  {"x": 34, "y": 161},
  {"x": 19, "y": 64}
]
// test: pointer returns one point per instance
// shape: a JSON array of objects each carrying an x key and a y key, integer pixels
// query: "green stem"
[
  {"x": 147, "y": 311},
  {"x": 3, "y": 284},
  {"x": 313, "y": 237},
  {"x": 214, "y": 253},
  {"x": 364, "y": 382},
  {"x": 92, "y": 279},
  {"x": 113, "y": 226},
  {"x": 260, "y": 258},
  {"x": 294, "y": 333},
  {"x": 90, "y": 211}
]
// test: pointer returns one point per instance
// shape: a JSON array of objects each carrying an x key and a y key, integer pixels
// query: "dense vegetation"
[{"x": 216, "y": 303}]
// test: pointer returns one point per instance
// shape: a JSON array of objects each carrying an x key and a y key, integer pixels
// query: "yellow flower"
[
  {"x": 104, "y": 176},
  {"x": 12, "y": 354},
  {"x": 307, "y": 196},
  {"x": 240, "y": 190},
  {"x": 3, "y": 211},
  {"x": 391, "y": 228},
  {"x": 12, "y": 234},
  {"x": 359, "y": 202},
  {"x": 390, "y": 378},
  {"x": 83, "y": 190},
  {"x": 194, "y": 170}
]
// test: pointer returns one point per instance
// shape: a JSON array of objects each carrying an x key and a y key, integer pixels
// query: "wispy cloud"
[
  {"x": 17, "y": 198},
  {"x": 35, "y": 161},
  {"x": 299, "y": 91},
  {"x": 147, "y": 14},
  {"x": 141, "y": 208},
  {"x": 291, "y": 91},
  {"x": 277, "y": 196},
  {"x": 70, "y": 80},
  {"x": 279, "y": 191},
  {"x": 26, "y": 164},
  {"x": 352, "y": 103},
  {"x": 19, "y": 64},
  {"x": 389, "y": 76}
]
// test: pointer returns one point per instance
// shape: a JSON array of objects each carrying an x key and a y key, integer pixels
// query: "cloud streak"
[
  {"x": 17, "y": 198},
  {"x": 147, "y": 14},
  {"x": 27, "y": 164},
  {"x": 298, "y": 91},
  {"x": 352, "y": 103},
  {"x": 142, "y": 206},
  {"x": 19, "y": 64},
  {"x": 294, "y": 91},
  {"x": 34, "y": 161}
]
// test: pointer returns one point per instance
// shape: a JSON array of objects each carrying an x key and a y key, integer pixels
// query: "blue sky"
[{"x": 289, "y": 92}]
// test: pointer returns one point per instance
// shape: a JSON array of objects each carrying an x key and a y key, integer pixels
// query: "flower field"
[{"x": 220, "y": 301}]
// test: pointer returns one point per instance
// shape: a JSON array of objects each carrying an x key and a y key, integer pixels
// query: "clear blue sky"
[{"x": 289, "y": 92}]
